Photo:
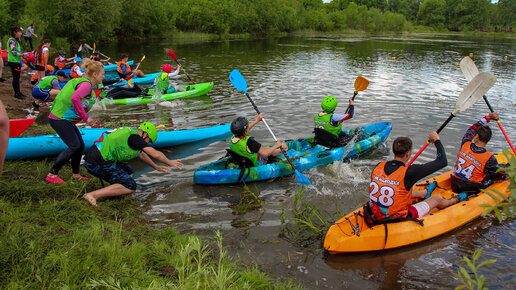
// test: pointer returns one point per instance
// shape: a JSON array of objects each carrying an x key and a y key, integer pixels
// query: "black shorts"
[{"x": 113, "y": 173}]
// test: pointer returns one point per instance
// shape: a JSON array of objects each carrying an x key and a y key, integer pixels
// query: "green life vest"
[
  {"x": 323, "y": 121},
  {"x": 63, "y": 101},
  {"x": 162, "y": 82},
  {"x": 46, "y": 82},
  {"x": 115, "y": 146},
  {"x": 239, "y": 146},
  {"x": 10, "y": 56}
]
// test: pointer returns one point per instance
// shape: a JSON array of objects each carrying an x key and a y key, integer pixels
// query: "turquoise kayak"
[
  {"x": 191, "y": 91},
  {"x": 51, "y": 145},
  {"x": 107, "y": 68},
  {"x": 302, "y": 153},
  {"x": 147, "y": 80}
]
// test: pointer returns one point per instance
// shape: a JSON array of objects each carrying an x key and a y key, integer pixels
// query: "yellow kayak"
[{"x": 352, "y": 234}]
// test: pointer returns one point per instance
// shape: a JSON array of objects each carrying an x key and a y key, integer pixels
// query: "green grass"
[{"x": 51, "y": 238}]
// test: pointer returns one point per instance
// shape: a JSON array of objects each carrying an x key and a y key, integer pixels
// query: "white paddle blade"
[
  {"x": 468, "y": 67},
  {"x": 475, "y": 89}
]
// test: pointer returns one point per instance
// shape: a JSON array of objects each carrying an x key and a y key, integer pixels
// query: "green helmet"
[
  {"x": 329, "y": 104},
  {"x": 151, "y": 130}
]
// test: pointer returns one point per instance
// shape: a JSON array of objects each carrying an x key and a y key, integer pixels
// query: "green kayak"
[{"x": 191, "y": 91}]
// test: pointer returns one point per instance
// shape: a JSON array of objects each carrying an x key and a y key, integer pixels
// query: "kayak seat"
[
  {"x": 242, "y": 162},
  {"x": 327, "y": 139}
]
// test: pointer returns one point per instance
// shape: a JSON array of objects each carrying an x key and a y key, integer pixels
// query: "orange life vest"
[
  {"x": 119, "y": 67},
  {"x": 388, "y": 197},
  {"x": 60, "y": 64},
  {"x": 471, "y": 165},
  {"x": 40, "y": 58},
  {"x": 73, "y": 74}
]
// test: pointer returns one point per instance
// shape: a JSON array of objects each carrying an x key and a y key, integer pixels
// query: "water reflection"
[{"x": 288, "y": 78}]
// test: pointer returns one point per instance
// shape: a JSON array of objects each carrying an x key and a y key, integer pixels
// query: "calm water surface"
[{"x": 288, "y": 78}]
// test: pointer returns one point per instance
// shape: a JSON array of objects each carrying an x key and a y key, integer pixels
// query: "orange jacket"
[
  {"x": 388, "y": 197},
  {"x": 471, "y": 165}
]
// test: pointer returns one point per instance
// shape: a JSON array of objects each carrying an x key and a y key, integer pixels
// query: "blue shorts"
[
  {"x": 41, "y": 94},
  {"x": 113, "y": 173}
]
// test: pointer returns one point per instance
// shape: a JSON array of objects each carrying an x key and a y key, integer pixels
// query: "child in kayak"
[
  {"x": 124, "y": 70},
  {"x": 390, "y": 194},
  {"x": 118, "y": 146},
  {"x": 61, "y": 62},
  {"x": 163, "y": 82},
  {"x": 328, "y": 126},
  {"x": 76, "y": 71},
  {"x": 476, "y": 167},
  {"x": 245, "y": 145},
  {"x": 96, "y": 57}
]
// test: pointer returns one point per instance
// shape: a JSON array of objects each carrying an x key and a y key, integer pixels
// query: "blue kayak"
[
  {"x": 107, "y": 68},
  {"x": 147, "y": 80},
  {"x": 51, "y": 145},
  {"x": 303, "y": 154}
]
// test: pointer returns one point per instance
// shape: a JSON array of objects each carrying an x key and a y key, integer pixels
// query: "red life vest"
[
  {"x": 471, "y": 165},
  {"x": 388, "y": 197}
]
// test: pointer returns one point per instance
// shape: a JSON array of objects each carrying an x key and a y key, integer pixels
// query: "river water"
[{"x": 288, "y": 78}]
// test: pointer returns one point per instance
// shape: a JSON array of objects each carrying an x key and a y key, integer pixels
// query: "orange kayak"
[{"x": 352, "y": 234}]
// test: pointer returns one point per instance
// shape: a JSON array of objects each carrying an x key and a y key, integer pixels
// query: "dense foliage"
[{"x": 105, "y": 19}]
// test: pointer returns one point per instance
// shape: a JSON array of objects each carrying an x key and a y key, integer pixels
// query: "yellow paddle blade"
[
  {"x": 94, "y": 47},
  {"x": 143, "y": 57},
  {"x": 361, "y": 83}
]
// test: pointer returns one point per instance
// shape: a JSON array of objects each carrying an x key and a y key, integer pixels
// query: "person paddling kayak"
[
  {"x": 67, "y": 105},
  {"x": 163, "y": 81},
  {"x": 328, "y": 126},
  {"x": 118, "y": 146},
  {"x": 476, "y": 168},
  {"x": 390, "y": 190},
  {"x": 245, "y": 145},
  {"x": 124, "y": 70}
]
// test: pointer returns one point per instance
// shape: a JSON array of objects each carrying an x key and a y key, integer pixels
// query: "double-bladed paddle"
[
  {"x": 475, "y": 89},
  {"x": 470, "y": 70},
  {"x": 173, "y": 55},
  {"x": 130, "y": 81},
  {"x": 361, "y": 84},
  {"x": 94, "y": 46},
  {"x": 240, "y": 84}
]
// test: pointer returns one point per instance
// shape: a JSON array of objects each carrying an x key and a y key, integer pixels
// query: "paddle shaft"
[
  {"x": 428, "y": 142},
  {"x": 500, "y": 125},
  {"x": 273, "y": 136},
  {"x": 354, "y": 95},
  {"x": 184, "y": 71}
]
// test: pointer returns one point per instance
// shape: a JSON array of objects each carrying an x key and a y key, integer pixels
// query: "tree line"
[{"x": 107, "y": 19}]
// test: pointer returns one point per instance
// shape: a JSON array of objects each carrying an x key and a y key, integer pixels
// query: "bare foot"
[{"x": 90, "y": 199}]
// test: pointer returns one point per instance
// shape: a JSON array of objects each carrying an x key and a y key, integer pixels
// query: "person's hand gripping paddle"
[
  {"x": 240, "y": 84},
  {"x": 130, "y": 80},
  {"x": 475, "y": 89},
  {"x": 173, "y": 55},
  {"x": 470, "y": 70}
]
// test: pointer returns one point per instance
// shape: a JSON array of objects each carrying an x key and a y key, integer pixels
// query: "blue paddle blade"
[
  {"x": 238, "y": 81},
  {"x": 302, "y": 179}
]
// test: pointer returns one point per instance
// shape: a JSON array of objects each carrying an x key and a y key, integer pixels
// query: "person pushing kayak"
[
  {"x": 163, "y": 82},
  {"x": 118, "y": 146},
  {"x": 47, "y": 89},
  {"x": 245, "y": 145},
  {"x": 328, "y": 126},
  {"x": 476, "y": 167},
  {"x": 66, "y": 110},
  {"x": 390, "y": 190},
  {"x": 124, "y": 70}
]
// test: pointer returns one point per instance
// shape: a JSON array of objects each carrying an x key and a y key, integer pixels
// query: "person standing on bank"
[
  {"x": 28, "y": 35},
  {"x": 67, "y": 105},
  {"x": 13, "y": 59}
]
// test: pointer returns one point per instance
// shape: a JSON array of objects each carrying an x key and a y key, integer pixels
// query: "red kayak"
[{"x": 17, "y": 126}]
